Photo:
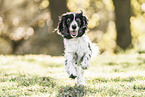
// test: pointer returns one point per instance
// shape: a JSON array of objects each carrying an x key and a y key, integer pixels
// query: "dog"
[{"x": 72, "y": 27}]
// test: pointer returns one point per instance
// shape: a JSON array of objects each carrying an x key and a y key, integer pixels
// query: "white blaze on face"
[{"x": 74, "y": 28}]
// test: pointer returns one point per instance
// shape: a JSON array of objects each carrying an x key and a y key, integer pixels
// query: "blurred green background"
[{"x": 27, "y": 26}]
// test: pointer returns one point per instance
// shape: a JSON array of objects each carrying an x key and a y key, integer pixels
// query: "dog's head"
[{"x": 72, "y": 25}]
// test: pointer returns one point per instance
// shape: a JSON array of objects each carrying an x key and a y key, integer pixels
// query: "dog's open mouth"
[{"x": 74, "y": 33}]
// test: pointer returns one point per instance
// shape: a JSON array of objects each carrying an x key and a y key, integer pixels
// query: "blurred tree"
[
  {"x": 21, "y": 20},
  {"x": 123, "y": 14},
  {"x": 57, "y": 8},
  {"x": 7, "y": 28}
]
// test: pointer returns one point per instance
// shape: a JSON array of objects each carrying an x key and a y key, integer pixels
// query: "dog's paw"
[
  {"x": 84, "y": 66},
  {"x": 72, "y": 76}
]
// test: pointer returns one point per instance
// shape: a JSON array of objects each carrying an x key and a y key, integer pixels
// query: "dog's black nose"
[{"x": 74, "y": 26}]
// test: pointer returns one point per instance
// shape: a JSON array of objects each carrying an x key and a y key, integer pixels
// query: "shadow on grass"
[
  {"x": 27, "y": 80},
  {"x": 75, "y": 91},
  {"x": 27, "y": 85}
]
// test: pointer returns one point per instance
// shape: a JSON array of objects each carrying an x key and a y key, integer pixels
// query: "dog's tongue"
[{"x": 73, "y": 33}]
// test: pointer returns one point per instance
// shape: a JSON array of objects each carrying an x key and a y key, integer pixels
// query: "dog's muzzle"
[
  {"x": 73, "y": 33},
  {"x": 74, "y": 30}
]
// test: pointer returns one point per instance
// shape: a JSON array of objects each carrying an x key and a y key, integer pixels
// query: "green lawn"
[{"x": 41, "y": 75}]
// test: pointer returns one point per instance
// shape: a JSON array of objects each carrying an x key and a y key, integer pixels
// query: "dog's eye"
[
  {"x": 78, "y": 20},
  {"x": 68, "y": 21}
]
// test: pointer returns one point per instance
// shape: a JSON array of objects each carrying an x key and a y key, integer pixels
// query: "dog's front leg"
[
  {"x": 85, "y": 60},
  {"x": 70, "y": 66},
  {"x": 80, "y": 76}
]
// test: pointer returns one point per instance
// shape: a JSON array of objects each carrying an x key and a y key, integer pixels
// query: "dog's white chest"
[{"x": 79, "y": 45}]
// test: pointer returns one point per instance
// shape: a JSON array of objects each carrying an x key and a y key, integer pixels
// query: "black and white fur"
[{"x": 78, "y": 47}]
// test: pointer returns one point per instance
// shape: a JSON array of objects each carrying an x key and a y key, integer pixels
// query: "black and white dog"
[{"x": 78, "y": 47}]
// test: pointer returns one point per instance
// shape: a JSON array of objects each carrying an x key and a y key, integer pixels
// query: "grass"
[{"x": 41, "y": 75}]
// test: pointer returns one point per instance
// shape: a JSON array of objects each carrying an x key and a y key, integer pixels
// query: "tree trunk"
[
  {"x": 57, "y": 8},
  {"x": 123, "y": 14}
]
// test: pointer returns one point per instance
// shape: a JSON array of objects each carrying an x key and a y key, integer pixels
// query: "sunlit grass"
[{"x": 42, "y": 75}]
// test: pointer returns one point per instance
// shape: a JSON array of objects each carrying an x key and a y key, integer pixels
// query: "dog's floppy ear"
[
  {"x": 62, "y": 28},
  {"x": 84, "y": 21},
  {"x": 84, "y": 24}
]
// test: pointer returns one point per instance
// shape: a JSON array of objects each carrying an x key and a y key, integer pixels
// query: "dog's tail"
[{"x": 95, "y": 50}]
